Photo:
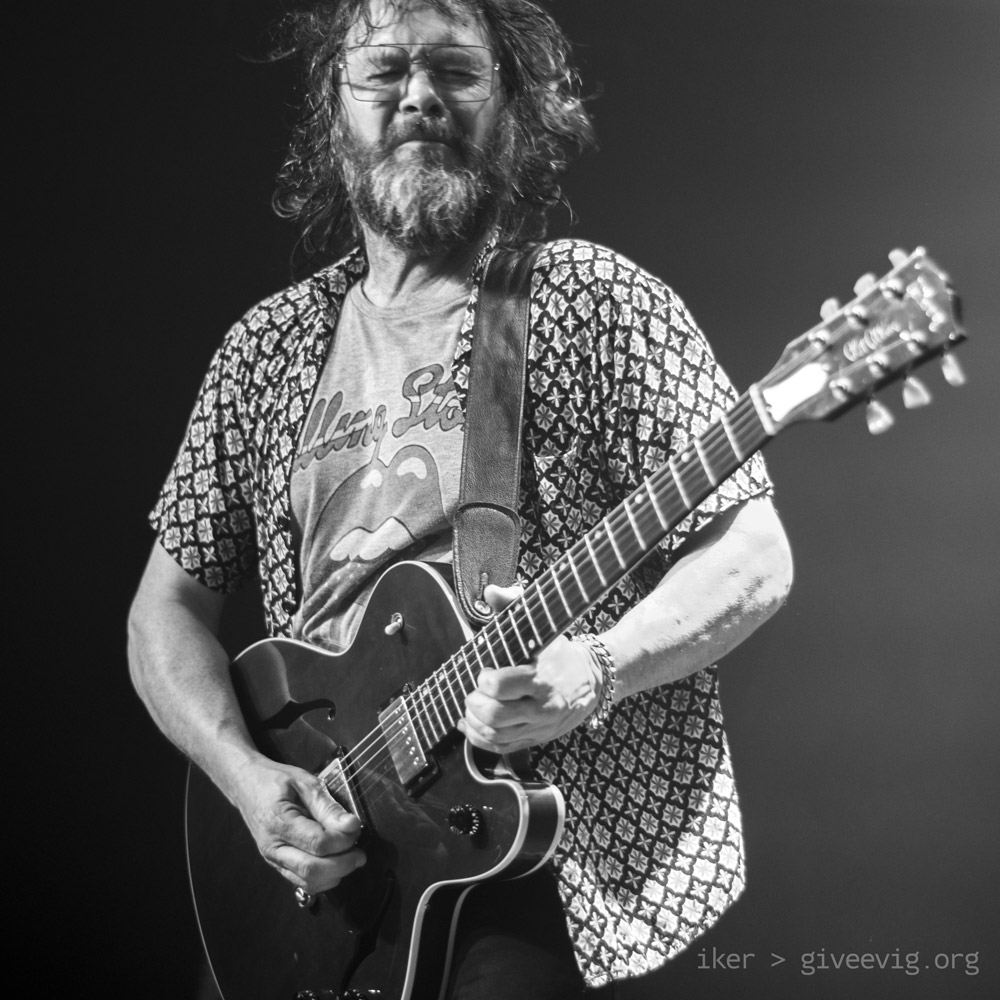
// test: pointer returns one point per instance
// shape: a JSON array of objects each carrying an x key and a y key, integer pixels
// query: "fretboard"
[{"x": 583, "y": 574}]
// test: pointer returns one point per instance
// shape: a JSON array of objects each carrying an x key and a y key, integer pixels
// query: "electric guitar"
[{"x": 377, "y": 722}]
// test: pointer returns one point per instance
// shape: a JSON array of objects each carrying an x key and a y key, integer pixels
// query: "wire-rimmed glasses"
[{"x": 381, "y": 72}]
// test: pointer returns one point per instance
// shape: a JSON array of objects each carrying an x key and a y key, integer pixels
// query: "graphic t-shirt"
[{"x": 376, "y": 475}]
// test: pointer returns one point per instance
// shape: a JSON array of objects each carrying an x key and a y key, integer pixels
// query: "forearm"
[
  {"x": 712, "y": 598},
  {"x": 180, "y": 671}
]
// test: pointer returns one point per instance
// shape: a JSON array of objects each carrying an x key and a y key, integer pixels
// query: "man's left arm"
[{"x": 726, "y": 581}]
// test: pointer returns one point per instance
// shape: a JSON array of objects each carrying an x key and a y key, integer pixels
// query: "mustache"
[{"x": 426, "y": 130}]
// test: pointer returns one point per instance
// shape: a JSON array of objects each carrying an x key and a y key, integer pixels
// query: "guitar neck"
[{"x": 583, "y": 574}]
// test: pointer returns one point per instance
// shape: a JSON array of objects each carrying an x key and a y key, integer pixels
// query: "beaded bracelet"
[{"x": 609, "y": 677}]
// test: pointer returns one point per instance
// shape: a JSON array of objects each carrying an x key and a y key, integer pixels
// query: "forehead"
[{"x": 416, "y": 24}]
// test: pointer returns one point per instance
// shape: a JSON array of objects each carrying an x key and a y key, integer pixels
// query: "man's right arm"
[{"x": 180, "y": 670}]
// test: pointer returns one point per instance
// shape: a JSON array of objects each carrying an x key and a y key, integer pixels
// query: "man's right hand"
[{"x": 300, "y": 830}]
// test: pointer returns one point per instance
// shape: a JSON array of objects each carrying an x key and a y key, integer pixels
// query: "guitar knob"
[
  {"x": 879, "y": 417},
  {"x": 864, "y": 284},
  {"x": 465, "y": 820},
  {"x": 829, "y": 308},
  {"x": 953, "y": 373},
  {"x": 915, "y": 393}
]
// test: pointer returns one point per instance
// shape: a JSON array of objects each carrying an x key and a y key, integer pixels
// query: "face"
[
  {"x": 419, "y": 167},
  {"x": 415, "y": 28}
]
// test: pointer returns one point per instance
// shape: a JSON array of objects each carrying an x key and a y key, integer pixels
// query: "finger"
[
  {"x": 490, "y": 715},
  {"x": 314, "y": 874},
  {"x": 308, "y": 818},
  {"x": 499, "y": 597},
  {"x": 507, "y": 683},
  {"x": 496, "y": 740},
  {"x": 328, "y": 812}
]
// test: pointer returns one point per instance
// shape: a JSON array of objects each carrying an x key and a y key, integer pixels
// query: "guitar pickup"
[{"x": 402, "y": 740}]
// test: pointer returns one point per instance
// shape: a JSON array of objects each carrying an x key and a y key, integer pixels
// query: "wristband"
[{"x": 609, "y": 676}]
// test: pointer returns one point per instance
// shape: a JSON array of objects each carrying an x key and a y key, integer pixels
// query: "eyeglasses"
[{"x": 382, "y": 72}]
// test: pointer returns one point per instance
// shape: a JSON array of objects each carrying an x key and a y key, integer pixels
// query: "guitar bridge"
[{"x": 335, "y": 779}]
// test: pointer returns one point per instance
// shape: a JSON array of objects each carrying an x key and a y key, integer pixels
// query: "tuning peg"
[
  {"x": 953, "y": 372},
  {"x": 829, "y": 308},
  {"x": 915, "y": 393},
  {"x": 864, "y": 283},
  {"x": 897, "y": 257},
  {"x": 879, "y": 417}
]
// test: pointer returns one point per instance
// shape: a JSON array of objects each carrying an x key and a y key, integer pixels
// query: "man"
[{"x": 435, "y": 129}]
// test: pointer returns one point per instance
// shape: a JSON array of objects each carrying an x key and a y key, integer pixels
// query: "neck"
[{"x": 395, "y": 273}]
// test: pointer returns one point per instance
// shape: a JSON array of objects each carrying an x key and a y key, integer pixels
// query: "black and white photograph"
[{"x": 512, "y": 494}]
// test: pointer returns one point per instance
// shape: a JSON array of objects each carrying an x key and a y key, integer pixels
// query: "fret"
[
  {"x": 468, "y": 668},
  {"x": 614, "y": 544},
  {"x": 503, "y": 642},
  {"x": 656, "y": 505},
  {"x": 635, "y": 527},
  {"x": 680, "y": 485},
  {"x": 482, "y": 640},
  {"x": 531, "y": 621},
  {"x": 441, "y": 702},
  {"x": 595, "y": 561},
  {"x": 579, "y": 582},
  {"x": 475, "y": 649},
  {"x": 699, "y": 447},
  {"x": 525, "y": 646},
  {"x": 737, "y": 451},
  {"x": 545, "y": 607},
  {"x": 696, "y": 485},
  {"x": 456, "y": 700},
  {"x": 441, "y": 727},
  {"x": 419, "y": 717},
  {"x": 559, "y": 590}
]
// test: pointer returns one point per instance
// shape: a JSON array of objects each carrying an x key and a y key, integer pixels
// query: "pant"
[{"x": 512, "y": 944}]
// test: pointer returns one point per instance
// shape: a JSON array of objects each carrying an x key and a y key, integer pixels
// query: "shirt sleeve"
[
  {"x": 204, "y": 514},
  {"x": 665, "y": 388}
]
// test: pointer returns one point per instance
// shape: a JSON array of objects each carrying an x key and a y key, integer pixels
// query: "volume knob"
[{"x": 465, "y": 820}]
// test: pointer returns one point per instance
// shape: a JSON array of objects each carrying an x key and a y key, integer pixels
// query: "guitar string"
[
  {"x": 645, "y": 516},
  {"x": 543, "y": 593},
  {"x": 588, "y": 571},
  {"x": 616, "y": 522},
  {"x": 645, "y": 522},
  {"x": 377, "y": 743}
]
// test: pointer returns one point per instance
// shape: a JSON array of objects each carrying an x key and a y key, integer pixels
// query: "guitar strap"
[{"x": 487, "y": 525}]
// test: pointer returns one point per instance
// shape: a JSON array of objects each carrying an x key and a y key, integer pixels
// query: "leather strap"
[{"x": 487, "y": 525}]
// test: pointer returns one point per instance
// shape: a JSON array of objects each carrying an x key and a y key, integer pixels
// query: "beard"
[{"x": 419, "y": 197}]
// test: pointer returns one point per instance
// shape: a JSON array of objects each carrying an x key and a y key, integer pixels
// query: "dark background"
[{"x": 759, "y": 157}]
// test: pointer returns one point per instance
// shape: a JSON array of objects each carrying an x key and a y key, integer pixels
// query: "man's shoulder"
[
  {"x": 575, "y": 260},
  {"x": 299, "y": 312}
]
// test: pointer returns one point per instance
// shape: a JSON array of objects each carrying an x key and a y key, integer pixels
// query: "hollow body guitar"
[
  {"x": 377, "y": 722},
  {"x": 457, "y": 818}
]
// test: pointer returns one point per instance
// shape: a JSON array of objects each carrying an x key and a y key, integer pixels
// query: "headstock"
[{"x": 894, "y": 324}]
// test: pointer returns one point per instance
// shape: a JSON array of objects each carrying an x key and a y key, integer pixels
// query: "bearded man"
[{"x": 326, "y": 445}]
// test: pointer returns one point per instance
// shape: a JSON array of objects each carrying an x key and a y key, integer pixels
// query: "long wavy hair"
[{"x": 542, "y": 101}]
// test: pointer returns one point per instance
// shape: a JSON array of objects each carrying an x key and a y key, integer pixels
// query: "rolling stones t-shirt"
[{"x": 376, "y": 475}]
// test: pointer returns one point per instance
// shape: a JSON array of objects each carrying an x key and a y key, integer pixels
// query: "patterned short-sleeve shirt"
[{"x": 619, "y": 377}]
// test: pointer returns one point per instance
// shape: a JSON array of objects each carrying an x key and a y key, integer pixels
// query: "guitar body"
[{"x": 386, "y": 931}]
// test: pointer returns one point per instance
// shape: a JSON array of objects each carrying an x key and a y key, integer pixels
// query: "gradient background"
[{"x": 759, "y": 157}]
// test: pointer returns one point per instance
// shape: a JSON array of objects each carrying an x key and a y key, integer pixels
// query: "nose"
[{"x": 420, "y": 95}]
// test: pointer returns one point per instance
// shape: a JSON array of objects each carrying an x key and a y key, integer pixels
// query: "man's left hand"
[{"x": 513, "y": 708}]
